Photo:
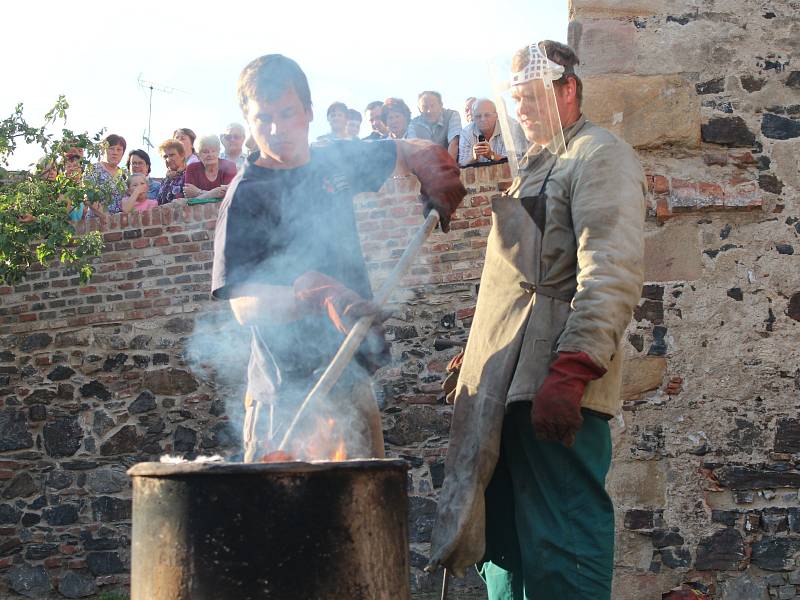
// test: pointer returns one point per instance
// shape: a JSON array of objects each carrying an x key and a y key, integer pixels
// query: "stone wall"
[{"x": 706, "y": 475}]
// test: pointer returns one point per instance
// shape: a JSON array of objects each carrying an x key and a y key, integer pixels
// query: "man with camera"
[{"x": 481, "y": 141}]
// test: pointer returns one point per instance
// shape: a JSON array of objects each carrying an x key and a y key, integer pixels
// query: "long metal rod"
[
  {"x": 361, "y": 328},
  {"x": 445, "y": 584}
]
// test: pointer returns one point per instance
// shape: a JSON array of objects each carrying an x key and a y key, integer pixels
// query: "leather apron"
[{"x": 511, "y": 344}]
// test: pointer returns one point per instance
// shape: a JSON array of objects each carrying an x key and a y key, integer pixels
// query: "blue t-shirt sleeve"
[{"x": 368, "y": 164}]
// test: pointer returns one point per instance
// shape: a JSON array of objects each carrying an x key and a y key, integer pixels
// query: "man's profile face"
[
  {"x": 280, "y": 128},
  {"x": 430, "y": 108},
  {"x": 484, "y": 116},
  {"x": 376, "y": 121},
  {"x": 173, "y": 159},
  {"x": 468, "y": 105},
  {"x": 535, "y": 111}
]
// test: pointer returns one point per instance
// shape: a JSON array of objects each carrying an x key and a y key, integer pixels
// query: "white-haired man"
[{"x": 232, "y": 142}]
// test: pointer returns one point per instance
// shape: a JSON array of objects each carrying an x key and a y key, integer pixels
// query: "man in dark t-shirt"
[{"x": 288, "y": 258}]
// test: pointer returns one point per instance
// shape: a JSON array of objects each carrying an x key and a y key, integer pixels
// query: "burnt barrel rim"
[{"x": 157, "y": 469}]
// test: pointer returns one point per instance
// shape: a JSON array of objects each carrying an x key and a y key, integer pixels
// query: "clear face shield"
[{"x": 526, "y": 104}]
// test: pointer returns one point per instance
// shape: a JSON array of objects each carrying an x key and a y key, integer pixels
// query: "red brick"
[
  {"x": 663, "y": 211},
  {"x": 5, "y": 474},
  {"x": 465, "y": 312},
  {"x": 161, "y": 241},
  {"x": 152, "y": 293},
  {"x": 660, "y": 184},
  {"x": 114, "y": 236},
  {"x": 52, "y": 562},
  {"x": 28, "y": 317},
  {"x": 152, "y": 232},
  {"x": 141, "y": 243},
  {"x": 479, "y": 201},
  {"x": 210, "y": 224},
  {"x": 421, "y": 399}
]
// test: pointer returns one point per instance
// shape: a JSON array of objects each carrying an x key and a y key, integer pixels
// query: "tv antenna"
[{"x": 150, "y": 87}]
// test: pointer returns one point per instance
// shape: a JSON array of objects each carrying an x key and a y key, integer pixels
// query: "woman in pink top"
[
  {"x": 210, "y": 177},
  {"x": 136, "y": 200}
]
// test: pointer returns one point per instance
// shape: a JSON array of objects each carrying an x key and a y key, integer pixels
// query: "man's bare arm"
[{"x": 256, "y": 304}]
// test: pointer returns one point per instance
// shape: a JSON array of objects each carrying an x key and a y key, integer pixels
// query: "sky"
[{"x": 353, "y": 51}]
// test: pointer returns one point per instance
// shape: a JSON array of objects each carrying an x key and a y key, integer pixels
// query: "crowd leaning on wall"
[{"x": 200, "y": 168}]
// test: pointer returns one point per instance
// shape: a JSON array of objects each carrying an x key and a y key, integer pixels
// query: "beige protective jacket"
[{"x": 563, "y": 271}]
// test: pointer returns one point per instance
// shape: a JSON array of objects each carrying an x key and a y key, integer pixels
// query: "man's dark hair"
[
  {"x": 116, "y": 140},
  {"x": 395, "y": 105},
  {"x": 141, "y": 154},
  {"x": 432, "y": 93},
  {"x": 565, "y": 56},
  {"x": 340, "y": 106},
  {"x": 353, "y": 115},
  {"x": 268, "y": 77},
  {"x": 373, "y": 104}
]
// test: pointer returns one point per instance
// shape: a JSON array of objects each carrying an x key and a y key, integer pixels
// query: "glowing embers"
[{"x": 325, "y": 442}]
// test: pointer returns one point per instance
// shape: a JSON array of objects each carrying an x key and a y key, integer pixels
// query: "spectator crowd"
[{"x": 199, "y": 169}]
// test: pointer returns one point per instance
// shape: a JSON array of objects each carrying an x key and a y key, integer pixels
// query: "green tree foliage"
[{"x": 34, "y": 220}]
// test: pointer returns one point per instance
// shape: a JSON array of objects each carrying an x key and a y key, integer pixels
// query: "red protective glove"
[
  {"x": 316, "y": 292},
  {"x": 556, "y": 412},
  {"x": 439, "y": 178}
]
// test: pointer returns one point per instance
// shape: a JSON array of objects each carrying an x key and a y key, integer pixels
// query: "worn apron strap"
[{"x": 536, "y": 206}]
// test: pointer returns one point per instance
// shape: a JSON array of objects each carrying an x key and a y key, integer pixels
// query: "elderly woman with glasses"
[{"x": 210, "y": 177}]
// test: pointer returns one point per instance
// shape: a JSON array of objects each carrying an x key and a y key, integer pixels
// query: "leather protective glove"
[
  {"x": 556, "y": 411},
  {"x": 316, "y": 292},
  {"x": 449, "y": 383},
  {"x": 439, "y": 177}
]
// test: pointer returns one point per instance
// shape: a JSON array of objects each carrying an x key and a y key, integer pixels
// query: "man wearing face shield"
[{"x": 524, "y": 492}]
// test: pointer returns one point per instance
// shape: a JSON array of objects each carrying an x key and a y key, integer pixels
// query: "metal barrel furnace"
[{"x": 282, "y": 531}]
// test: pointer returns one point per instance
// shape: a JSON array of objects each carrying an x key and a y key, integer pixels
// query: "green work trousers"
[{"x": 549, "y": 520}]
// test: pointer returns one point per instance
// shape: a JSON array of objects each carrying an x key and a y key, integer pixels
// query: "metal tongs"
[{"x": 348, "y": 347}]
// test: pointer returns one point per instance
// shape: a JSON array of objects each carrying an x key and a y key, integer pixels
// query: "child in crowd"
[{"x": 137, "y": 199}]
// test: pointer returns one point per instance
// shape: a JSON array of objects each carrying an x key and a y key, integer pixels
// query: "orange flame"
[{"x": 325, "y": 442}]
